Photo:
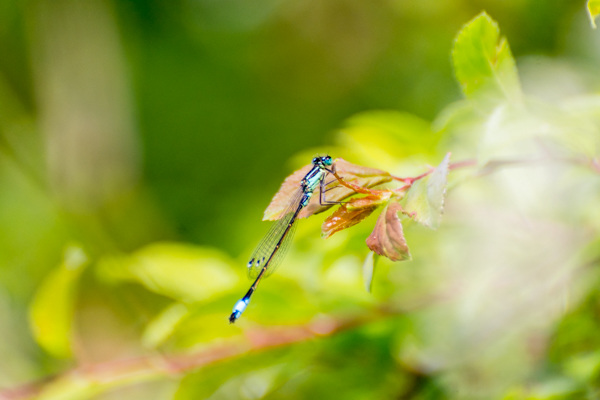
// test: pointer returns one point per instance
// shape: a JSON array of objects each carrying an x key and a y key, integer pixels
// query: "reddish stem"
[
  {"x": 409, "y": 181},
  {"x": 596, "y": 164},
  {"x": 451, "y": 166},
  {"x": 253, "y": 340}
]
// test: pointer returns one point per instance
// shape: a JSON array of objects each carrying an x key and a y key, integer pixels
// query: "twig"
[
  {"x": 409, "y": 180},
  {"x": 152, "y": 366},
  {"x": 155, "y": 365}
]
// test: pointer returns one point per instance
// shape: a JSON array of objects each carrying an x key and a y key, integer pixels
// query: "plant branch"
[
  {"x": 409, "y": 180},
  {"x": 121, "y": 372}
]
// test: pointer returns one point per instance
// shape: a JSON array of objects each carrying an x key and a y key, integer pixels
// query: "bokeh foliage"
[{"x": 130, "y": 130}]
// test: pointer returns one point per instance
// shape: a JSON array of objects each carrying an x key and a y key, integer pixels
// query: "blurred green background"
[{"x": 140, "y": 142}]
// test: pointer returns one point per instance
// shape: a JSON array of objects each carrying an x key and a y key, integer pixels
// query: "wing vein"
[{"x": 269, "y": 243}]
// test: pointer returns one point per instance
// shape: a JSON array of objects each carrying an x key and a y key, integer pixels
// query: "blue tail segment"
[{"x": 239, "y": 308}]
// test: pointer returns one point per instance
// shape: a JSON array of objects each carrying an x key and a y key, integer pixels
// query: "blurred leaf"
[
  {"x": 583, "y": 367},
  {"x": 87, "y": 94},
  {"x": 352, "y": 212},
  {"x": 369, "y": 269},
  {"x": 280, "y": 301},
  {"x": 584, "y": 106},
  {"x": 426, "y": 196},
  {"x": 179, "y": 271},
  {"x": 386, "y": 135},
  {"x": 201, "y": 325},
  {"x": 71, "y": 389},
  {"x": 454, "y": 114},
  {"x": 554, "y": 389},
  {"x": 387, "y": 238},
  {"x": 51, "y": 311},
  {"x": 162, "y": 326},
  {"x": 227, "y": 15},
  {"x": 357, "y": 174},
  {"x": 540, "y": 130},
  {"x": 255, "y": 372},
  {"x": 483, "y": 63},
  {"x": 91, "y": 383},
  {"x": 593, "y": 7}
]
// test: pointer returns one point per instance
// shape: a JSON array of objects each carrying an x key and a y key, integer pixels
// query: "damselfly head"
[{"x": 323, "y": 161}]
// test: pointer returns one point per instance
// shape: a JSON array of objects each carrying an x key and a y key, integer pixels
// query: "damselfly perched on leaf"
[{"x": 271, "y": 250}]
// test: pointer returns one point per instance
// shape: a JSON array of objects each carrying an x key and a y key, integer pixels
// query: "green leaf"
[
  {"x": 369, "y": 269},
  {"x": 180, "y": 332},
  {"x": 52, "y": 309},
  {"x": 178, "y": 271},
  {"x": 483, "y": 63},
  {"x": 425, "y": 199},
  {"x": 252, "y": 376},
  {"x": 593, "y": 7},
  {"x": 583, "y": 367}
]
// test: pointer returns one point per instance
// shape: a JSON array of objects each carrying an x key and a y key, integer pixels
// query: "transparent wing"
[{"x": 268, "y": 245}]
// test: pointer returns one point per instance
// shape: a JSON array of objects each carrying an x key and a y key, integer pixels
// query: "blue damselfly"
[{"x": 271, "y": 250}]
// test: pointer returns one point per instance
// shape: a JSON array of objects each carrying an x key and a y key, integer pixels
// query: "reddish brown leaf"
[
  {"x": 283, "y": 196},
  {"x": 342, "y": 218},
  {"x": 369, "y": 201},
  {"x": 345, "y": 168},
  {"x": 356, "y": 174},
  {"x": 387, "y": 238},
  {"x": 351, "y": 213}
]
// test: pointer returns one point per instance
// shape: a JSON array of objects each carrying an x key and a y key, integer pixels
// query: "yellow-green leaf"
[
  {"x": 52, "y": 309},
  {"x": 182, "y": 272},
  {"x": 593, "y": 7},
  {"x": 386, "y": 135},
  {"x": 163, "y": 325},
  {"x": 483, "y": 63}
]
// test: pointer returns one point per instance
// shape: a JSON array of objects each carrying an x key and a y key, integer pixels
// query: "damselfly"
[{"x": 269, "y": 253}]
